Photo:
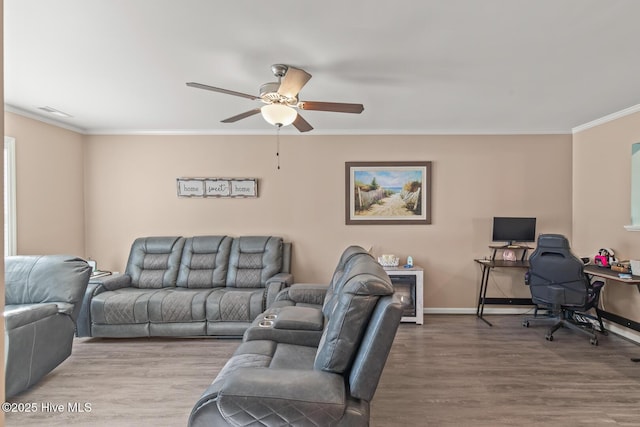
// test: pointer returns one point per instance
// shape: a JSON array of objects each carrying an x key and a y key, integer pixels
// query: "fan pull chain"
[{"x": 278, "y": 145}]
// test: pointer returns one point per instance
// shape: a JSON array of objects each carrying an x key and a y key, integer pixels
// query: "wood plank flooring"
[{"x": 452, "y": 371}]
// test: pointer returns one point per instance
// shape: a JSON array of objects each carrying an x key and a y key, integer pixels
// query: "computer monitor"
[{"x": 514, "y": 229}]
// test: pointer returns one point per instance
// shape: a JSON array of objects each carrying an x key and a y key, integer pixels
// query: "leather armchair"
[
  {"x": 300, "y": 311},
  {"x": 43, "y": 295},
  {"x": 273, "y": 383}
]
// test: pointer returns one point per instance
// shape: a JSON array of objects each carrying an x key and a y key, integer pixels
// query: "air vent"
[{"x": 55, "y": 112}]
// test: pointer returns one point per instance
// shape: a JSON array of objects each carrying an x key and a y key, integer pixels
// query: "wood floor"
[{"x": 451, "y": 371}]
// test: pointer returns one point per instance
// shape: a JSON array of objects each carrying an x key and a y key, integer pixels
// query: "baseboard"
[
  {"x": 487, "y": 310},
  {"x": 622, "y": 331},
  {"x": 610, "y": 326}
]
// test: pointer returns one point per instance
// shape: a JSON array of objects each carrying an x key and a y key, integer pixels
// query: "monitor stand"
[{"x": 508, "y": 251}]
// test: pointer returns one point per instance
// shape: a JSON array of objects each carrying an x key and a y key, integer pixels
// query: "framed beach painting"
[{"x": 388, "y": 192}]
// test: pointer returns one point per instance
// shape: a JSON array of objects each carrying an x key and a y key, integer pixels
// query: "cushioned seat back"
[
  {"x": 375, "y": 347},
  {"x": 338, "y": 279},
  {"x": 349, "y": 318},
  {"x": 36, "y": 279},
  {"x": 552, "y": 265},
  {"x": 154, "y": 261},
  {"x": 253, "y": 260},
  {"x": 357, "y": 264},
  {"x": 204, "y": 262}
]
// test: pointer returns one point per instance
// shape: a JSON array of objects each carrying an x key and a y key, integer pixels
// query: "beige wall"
[
  {"x": 601, "y": 202},
  {"x": 49, "y": 187},
  {"x": 131, "y": 192}
]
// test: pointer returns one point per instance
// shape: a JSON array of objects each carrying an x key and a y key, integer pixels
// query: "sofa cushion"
[
  {"x": 356, "y": 264},
  {"x": 265, "y": 397},
  {"x": 122, "y": 306},
  {"x": 253, "y": 260},
  {"x": 154, "y": 261},
  {"x": 374, "y": 348},
  {"x": 178, "y": 305},
  {"x": 265, "y": 354},
  {"x": 204, "y": 262},
  {"x": 230, "y": 304},
  {"x": 348, "y": 320}
]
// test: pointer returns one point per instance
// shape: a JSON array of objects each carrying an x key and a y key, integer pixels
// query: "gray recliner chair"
[
  {"x": 275, "y": 383},
  {"x": 42, "y": 301},
  {"x": 299, "y": 314}
]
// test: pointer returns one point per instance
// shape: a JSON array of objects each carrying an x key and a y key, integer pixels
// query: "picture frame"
[
  {"x": 190, "y": 187},
  {"x": 218, "y": 187},
  {"x": 388, "y": 193}
]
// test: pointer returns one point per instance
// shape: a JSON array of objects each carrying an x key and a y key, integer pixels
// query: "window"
[
  {"x": 635, "y": 185},
  {"x": 9, "y": 196}
]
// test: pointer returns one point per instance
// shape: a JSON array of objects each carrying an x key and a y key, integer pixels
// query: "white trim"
[
  {"x": 268, "y": 131},
  {"x": 632, "y": 227},
  {"x": 487, "y": 310},
  {"x": 622, "y": 331},
  {"x": 48, "y": 120},
  {"x": 337, "y": 132},
  {"x": 10, "y": 172},
  {"x": 607, "y": 118}
]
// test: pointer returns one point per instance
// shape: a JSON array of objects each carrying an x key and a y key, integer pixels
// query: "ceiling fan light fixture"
[{"x": 278, "y": 114}]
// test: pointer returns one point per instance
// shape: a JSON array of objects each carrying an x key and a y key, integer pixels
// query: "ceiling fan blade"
[
  {"x": 338, "y": 107},
  {"x": 293, "y": 81},
  {"x": 217, "y": 89},
  {"x": 301, "y": 124},
  {"x": 241, "y": 116}
]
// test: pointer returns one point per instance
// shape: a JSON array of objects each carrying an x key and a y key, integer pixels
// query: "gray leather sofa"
[
  {"x": 42, "y": 302},
  {"x": 196, "y": 286},
  {"x": 274, "y": 381}
]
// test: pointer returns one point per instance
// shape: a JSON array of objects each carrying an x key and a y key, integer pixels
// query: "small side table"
[{"x": 409, "y": 284}]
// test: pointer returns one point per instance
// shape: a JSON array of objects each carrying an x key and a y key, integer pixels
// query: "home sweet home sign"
[{"x": 217, "y": 187}]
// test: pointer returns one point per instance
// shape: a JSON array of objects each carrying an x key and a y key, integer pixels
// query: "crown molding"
[
  {"x": 283, "y": 132},
  {"x": 44, "y": 119},
  {"x": 334, "y": 132},
  {"x": 607, "y": 118}
]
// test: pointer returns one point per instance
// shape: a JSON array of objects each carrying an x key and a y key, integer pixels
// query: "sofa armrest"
[
  {"x": 319, "y": 397},
  {"x": 304, "y": 293},
  {"x": 297, "y": 325},
  {"x": 95, "y": 287},
  {"x": 83, "y": 324},
  {"x": 113, "y": 282},
  {"x": 16, "y": 316},
  {"x": 286, "y": 279},
  {"x": 299, "y": 318},
  {"x": 275, "y": 284}
]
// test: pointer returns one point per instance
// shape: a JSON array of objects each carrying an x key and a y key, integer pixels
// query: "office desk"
[
  {"x": 608, "y": 274},
  {"x": 487, "y": 265}
]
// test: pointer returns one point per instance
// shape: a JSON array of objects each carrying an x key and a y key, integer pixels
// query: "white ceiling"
[{"x": 418, "y": 66}]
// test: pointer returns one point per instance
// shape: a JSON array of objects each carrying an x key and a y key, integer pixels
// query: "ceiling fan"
[{"x": 281, "y": 99}]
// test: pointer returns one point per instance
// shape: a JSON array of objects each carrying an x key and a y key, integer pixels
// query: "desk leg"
[
  {"x": 484, "y": 284},
  {"x": 484, "y": 271},
  {"x": 636, "y": 359}
]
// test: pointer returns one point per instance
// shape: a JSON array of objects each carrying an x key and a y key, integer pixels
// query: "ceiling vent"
[{"x": 55, "y": 112}]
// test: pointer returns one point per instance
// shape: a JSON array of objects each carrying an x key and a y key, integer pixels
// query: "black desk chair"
[{"x": 559, "y": 285}]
